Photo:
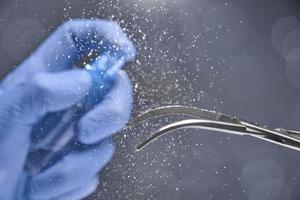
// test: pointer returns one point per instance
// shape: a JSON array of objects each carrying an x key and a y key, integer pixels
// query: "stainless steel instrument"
[{"x": 211, "y": 120}]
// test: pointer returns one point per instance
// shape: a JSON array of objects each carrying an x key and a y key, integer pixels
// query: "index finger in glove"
[{"x": 71, "y": 42}]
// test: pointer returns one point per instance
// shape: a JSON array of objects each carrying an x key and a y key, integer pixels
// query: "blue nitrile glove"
[{"x": 47, "y": 82}]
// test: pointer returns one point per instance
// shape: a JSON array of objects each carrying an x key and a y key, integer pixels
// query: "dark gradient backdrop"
[{"x": 240, "y": 57}]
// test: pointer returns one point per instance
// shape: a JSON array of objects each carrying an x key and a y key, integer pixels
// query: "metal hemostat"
[{"x": 211, "y": 120}]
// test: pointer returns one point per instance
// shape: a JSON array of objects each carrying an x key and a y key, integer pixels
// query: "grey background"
[{"x": 240, "y": 57}]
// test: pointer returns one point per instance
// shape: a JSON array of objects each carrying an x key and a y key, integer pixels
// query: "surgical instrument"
[{"x": 211, "y": 120}]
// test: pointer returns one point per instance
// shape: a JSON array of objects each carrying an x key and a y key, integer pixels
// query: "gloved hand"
[{"x": 46, "y": 82}]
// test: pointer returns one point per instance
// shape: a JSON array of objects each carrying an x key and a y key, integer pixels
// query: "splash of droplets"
[{"x": 182, "y": 53}]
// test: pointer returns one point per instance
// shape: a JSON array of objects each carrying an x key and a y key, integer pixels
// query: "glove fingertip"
[{"x": 111, "y": 115}]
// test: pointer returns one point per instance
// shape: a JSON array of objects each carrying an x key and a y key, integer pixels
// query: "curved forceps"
[{"x": 211, "y": 120}]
